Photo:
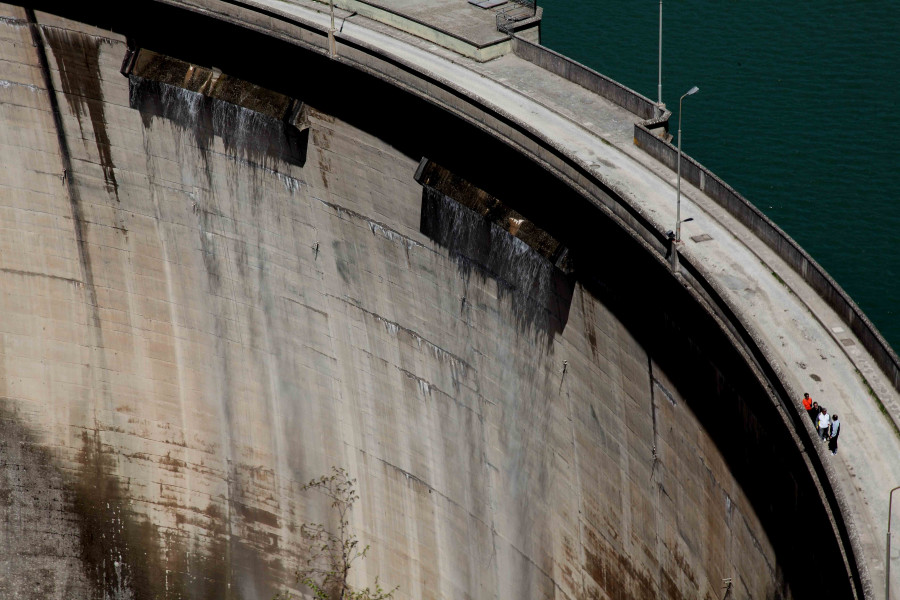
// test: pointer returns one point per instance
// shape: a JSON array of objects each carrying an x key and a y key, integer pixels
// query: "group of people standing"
[{"x": 829, "y": 427}]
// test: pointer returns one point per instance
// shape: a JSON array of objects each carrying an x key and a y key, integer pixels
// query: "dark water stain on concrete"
[
  {"x": 587, "y": 312},
  {"x": 257, "y": 515},
  {"x": 117, "y": 549},
  {"x": 617, "y": 576},
  {"x": 209, "y": 252},
  {"x": 247, "y": 135},
  {"x": 346, "y": 263},
  {"x": 539, "y": 292},
  {"x": 77, "y": 57},
  {"x": 74, "y": 533},
  {"x": 39, "y": 552},
  {"x": 128, "y": 557}
]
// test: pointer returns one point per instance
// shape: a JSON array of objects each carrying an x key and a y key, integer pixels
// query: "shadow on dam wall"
[
  {"x": 679, "y": 334},
  {"x": 120, "y": 556}
]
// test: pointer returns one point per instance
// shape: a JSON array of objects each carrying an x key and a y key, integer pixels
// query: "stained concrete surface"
[{"x": 256, "y": 323}]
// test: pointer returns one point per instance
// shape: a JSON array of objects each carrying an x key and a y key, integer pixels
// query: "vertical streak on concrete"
[
  {"x": 655, "y": 478},
  {"x": 177, "y": 337},
  {"x": 226, "y": 419},
  {"x": 491, "y": 499},
  {"x": 582, "y": 559},
  {"x": 278, "y": 395},
  {"x": 729, "y": 528},
  {"x": 84, "y": 256},
  {"x": 625, "y": 473},
  {"x": 73, "y": 52}
]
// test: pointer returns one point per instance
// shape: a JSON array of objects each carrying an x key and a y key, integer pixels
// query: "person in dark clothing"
[
  {"x": 835, "y": 432},
  {"x": 812, "y": 409}
]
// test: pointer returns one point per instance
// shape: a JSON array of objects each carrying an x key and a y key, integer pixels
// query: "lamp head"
[{"x": 692, "y": 91}]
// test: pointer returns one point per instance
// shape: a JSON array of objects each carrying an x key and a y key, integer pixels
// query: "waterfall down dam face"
[{"x": 228, "y": 267}]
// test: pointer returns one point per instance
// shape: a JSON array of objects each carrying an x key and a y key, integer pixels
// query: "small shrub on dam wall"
[{"x": 331, "y": 554}]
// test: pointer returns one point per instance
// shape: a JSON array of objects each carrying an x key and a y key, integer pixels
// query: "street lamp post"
[
  {"x": 331, "y": 45},
  {"x": 690, "y": 92},
  {"x": 887, "y": 559},
  {"x": 659, "y": 102}
]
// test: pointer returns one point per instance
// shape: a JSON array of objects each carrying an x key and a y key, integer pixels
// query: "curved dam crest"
[{"x": 220, "y": 281}]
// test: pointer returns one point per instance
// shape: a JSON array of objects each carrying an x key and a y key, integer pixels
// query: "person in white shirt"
[{"x": 824, "y": 423}]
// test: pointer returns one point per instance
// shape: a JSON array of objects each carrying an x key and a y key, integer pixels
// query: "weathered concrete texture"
[
  {"x": 40, "y": 537},
  {"x": 189, "y": 331}
]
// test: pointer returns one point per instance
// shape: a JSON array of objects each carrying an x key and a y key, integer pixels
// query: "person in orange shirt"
[{"x": 808, "y": 406}]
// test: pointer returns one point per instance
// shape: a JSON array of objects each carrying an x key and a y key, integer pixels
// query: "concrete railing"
[
  {"x": 783, "y": 245},
  {"x": 588, "y": 79}
]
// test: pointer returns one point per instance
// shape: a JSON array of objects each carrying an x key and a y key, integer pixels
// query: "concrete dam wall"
[{"x": 229, "y": 263}]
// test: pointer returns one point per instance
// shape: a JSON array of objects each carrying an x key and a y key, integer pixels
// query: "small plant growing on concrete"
[{"x": 331, "y": 554}]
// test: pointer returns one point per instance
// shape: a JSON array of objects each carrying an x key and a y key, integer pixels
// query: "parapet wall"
[{"x": 585, "y": 77}]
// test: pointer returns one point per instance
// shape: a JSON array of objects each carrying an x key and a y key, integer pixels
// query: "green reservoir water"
[{"x": 797, "y": 110}]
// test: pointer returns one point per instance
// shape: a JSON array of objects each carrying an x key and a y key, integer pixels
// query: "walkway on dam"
[{"x": 817, "y": 352}]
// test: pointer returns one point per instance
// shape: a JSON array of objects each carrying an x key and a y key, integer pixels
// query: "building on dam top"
[{"x": 245, "y": 242}]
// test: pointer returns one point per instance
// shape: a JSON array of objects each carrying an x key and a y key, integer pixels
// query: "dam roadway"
[{"x": 195, "y": 324}]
